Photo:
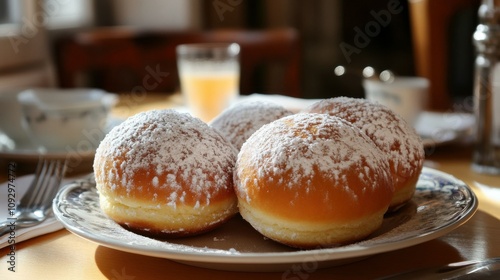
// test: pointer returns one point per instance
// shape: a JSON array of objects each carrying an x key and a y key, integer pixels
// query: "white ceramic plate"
[{"x": 441, "y": 204}]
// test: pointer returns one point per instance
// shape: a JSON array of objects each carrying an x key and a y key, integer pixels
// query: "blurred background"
[{"x": 355, "y": 34}]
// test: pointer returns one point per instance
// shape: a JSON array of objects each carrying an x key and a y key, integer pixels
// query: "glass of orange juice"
[{"x": 209, "y": 76}]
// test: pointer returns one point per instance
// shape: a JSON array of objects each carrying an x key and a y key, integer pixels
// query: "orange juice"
[{"x": 208, "y": 94}]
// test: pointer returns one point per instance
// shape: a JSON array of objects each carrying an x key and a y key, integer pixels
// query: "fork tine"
[
  {"x": 45, "y": 184},
  {"x": 33, "y": 191},
  {"x": 57, "y": 174}
]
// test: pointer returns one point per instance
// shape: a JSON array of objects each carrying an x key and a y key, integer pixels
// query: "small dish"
[
  {"x": 70, "y": 118},
  {"x": 441, "y": 128}
]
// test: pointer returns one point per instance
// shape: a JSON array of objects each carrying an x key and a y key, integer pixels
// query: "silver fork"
[{"x": 36, "y": 204}]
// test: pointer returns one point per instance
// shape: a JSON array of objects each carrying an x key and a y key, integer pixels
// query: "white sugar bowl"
[{"x": 66, "y": 120}]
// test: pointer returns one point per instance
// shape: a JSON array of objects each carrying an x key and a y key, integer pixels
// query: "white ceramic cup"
[
  {"x": 66, "y": 120},
  {"x": 406, "y": 96},
  {"x": 209, "y": 76}
]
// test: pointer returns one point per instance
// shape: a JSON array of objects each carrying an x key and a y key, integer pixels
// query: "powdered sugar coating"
[
  {"x": 171, "y": 150},
  {"x": 307, "y": 146},
  {"x": 240, "y": 121},
  {"x": 389, "y": 131}
]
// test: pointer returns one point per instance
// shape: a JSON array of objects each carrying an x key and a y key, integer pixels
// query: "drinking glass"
[{"x": 209, "y": 76}]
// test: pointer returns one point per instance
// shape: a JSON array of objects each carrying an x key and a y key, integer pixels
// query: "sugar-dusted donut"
[
  {"x": 312, "y": 180},
  {"x": 239, "y": 122},
  {"x": 390, "y": 132},
  {"x": 166, "y": 174}
]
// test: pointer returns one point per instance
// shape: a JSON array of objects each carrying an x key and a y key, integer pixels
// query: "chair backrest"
[{"x": 125, "y": 60}]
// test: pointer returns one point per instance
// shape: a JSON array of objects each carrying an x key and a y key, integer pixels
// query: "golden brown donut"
[
  {"x": 241, "y": 120},
  {"x": 390, "y": 132},
  {"x": 312, "y": 180},
  {"x": 166, "y": 174}
]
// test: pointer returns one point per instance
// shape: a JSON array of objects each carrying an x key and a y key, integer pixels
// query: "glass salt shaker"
[{"x": 486, "y": 157}]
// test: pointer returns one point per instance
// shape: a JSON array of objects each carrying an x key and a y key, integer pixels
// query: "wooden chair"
[
  {"x": 433, "y": 50},
  {"x": 124, "y": 59}
]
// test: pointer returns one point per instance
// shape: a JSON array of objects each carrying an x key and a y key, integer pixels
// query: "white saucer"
[
  {"x": 28, "y": 152},
  {"x": 443, "y": 128}
]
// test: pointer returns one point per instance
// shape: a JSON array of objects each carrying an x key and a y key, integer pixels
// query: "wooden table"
[{"x": 63, "y": 255}]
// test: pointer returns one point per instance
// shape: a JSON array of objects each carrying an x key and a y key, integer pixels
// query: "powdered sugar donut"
[
  {"x": 312, "y": 180},
  {"x": 241, "y": 120},
  {"x": 396, "y": 138},
  {"x": 166, "y": 174}
]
